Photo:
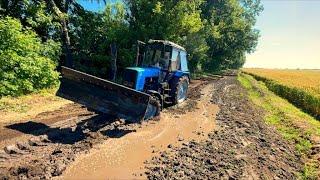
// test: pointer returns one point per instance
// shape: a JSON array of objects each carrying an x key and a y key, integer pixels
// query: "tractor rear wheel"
[{"x": 181, "y": 90}]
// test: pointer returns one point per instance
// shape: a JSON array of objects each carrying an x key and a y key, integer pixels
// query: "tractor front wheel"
[
  {"x": 181, "y": 90},
  {"x": 153, "y": 108}
]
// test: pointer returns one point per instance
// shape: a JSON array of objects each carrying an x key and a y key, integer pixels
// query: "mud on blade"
[{"x": 102, "y": 95}]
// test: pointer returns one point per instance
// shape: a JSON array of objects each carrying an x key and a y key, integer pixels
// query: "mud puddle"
[{"x": 123, "y": 158}]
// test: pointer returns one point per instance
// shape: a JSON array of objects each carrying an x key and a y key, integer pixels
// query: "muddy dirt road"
[
  {"x": 242, "y": 146},
  {"x": 217, "y": 134},
  {"x": 48, "y": 145}
]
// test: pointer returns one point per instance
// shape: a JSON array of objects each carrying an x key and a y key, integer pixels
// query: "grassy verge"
[
  {"x": 293, "y": 124},
  {"x": 14, "y": 109},
  {"x": 202, "y": 74},
  {"x": 300, "y": 98}
]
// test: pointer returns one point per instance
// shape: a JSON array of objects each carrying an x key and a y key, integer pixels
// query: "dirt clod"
[
  {"x": 12, "y": 149},
  {"x": 23, "y": 146},
  {"x": 56, "y": 151},
  {"x": 44, "y": 139},
  {"x": 35, "y": 141}
]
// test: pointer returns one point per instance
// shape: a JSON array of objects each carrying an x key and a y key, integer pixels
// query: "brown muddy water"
[{"x": 123, "y": 158}]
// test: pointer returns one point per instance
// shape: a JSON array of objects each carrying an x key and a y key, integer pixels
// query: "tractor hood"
[{"x": 138, "y": 75}]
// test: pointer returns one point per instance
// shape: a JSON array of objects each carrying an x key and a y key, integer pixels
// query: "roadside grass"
[
  {"x": 216, "y": 74},
  {"x": 14, "y": 109},
  {"x": 293, "y": 124},
  {"x": 198, "y": 75}
]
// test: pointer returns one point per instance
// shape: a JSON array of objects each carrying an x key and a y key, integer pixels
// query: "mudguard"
[
  {"x": 179, "y": 74},
  {"x": 104, "y": 96}
]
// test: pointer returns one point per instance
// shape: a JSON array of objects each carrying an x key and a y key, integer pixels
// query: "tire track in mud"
[
  {"x": 48, "y": 151},
  {"x": 241, "y": 147}
]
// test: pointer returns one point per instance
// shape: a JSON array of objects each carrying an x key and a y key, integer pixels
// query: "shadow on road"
[{"x": 73, "y": 133}]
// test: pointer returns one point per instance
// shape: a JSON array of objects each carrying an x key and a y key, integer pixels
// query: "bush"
[{"x": 26, "y": 63}]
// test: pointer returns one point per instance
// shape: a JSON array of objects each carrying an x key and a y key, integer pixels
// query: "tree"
[
  {"x": 42, "y": 16},
  {"x": 216, "y": 33},
  {"x": 46, "y": 17},
  {"x": 33, "y": 14},
  {"x": 230, "y": 31},
  {"x": 26, "y": 63},
  {"x": 62, "y": 14},
  {"x": 91, "y": 35},
  {"x": 178, "y": 21}
]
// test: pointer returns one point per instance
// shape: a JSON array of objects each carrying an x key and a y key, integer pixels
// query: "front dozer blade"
[{"x": 104, "y": 96}]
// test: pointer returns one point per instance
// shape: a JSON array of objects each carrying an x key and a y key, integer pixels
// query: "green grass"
[
  {"x": 23, "y": 103},
  {"x": 309, "y": 172},
  {"x": 13, "y": 107},
  {"x": 293, "y": 124},
  {"x": 203, "y": 75},
  {"x": 18, "y": 109}
]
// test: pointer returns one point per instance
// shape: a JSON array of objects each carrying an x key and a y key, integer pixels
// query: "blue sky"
[
  {"x": 290, "y": 34},
  {"x": 92, "y": 5}
]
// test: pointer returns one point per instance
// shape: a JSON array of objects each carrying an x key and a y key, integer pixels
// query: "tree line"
[{"x": 38, "y": 35}]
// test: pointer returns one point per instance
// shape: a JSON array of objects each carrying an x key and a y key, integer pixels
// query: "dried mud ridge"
[
  {"x": 54, "y": 146},
  {"x": 242, "y": 146}
]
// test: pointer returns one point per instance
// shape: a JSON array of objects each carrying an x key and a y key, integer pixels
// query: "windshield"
[
  {"x": 156, "y": 57},
  {"x": 152, "y": 57}
]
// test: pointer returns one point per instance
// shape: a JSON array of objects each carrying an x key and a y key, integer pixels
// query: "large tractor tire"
[{"x": 181, "y": 90}]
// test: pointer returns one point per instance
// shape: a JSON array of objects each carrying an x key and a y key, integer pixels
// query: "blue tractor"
[{"x": 161, "y": 77}]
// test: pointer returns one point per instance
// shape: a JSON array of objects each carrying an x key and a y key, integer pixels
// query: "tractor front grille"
[{"x": 130, "y": 78}]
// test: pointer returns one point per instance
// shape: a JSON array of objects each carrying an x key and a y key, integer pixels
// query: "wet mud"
[
  {"x": 242, "y": 146},
  {"x": 125, "y": 157}
]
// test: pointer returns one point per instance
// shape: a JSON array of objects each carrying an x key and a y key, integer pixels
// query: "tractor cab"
[
  {"x": 165, "y": 55},
  {"x": 161, "y": 65}
]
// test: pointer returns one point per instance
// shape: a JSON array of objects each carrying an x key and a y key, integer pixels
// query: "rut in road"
[{"x": 241, "y": 147}]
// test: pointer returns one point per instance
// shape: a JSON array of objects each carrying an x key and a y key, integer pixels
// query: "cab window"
[
  {"x": 175, "y": 60},
  {"x": 184, "y": 63}
]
